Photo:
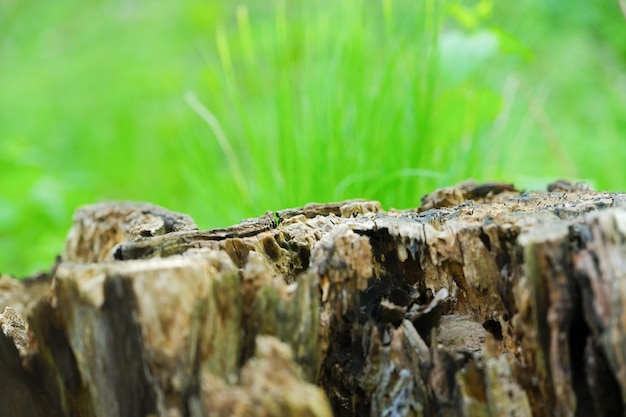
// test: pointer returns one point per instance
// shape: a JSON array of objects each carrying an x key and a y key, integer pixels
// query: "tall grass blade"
[{"x": 222, "y": 140}]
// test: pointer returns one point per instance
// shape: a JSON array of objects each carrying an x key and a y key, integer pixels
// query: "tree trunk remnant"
[{"x": 486, "y": 301}]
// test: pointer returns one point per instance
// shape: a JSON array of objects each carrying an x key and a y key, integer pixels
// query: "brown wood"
[{"x": 486, "y": 301}]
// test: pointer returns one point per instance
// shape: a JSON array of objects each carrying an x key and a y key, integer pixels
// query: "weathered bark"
[{"x": 485, "y": 302}]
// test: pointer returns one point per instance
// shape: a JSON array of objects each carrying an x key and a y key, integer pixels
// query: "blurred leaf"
[
  {"x": 463, "y": 53},
  {"x": 511, "y": 45},
  {"x": 470, "y": 17}
]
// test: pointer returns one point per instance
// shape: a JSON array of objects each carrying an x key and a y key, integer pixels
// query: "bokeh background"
[{"x": 226, "y": 109}]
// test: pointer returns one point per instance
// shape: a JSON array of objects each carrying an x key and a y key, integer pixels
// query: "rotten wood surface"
[{"x": 485, "y": 301}]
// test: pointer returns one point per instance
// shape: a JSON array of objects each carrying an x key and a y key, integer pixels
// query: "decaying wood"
[
  {"x": 97, "y": 228},
  {"x": 485, "y": 301}
]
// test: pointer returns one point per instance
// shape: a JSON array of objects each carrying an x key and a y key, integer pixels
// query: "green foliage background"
[{"x": 224, "y": 110}]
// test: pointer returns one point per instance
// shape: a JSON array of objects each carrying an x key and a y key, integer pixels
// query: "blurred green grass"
[{"x": 224, "y": 110}]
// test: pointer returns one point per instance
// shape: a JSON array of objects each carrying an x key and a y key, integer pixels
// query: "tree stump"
[{"x": 485, "y": 301}]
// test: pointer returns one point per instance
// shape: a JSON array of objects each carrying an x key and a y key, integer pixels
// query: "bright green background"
[{"x": 225, "y": 109}]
